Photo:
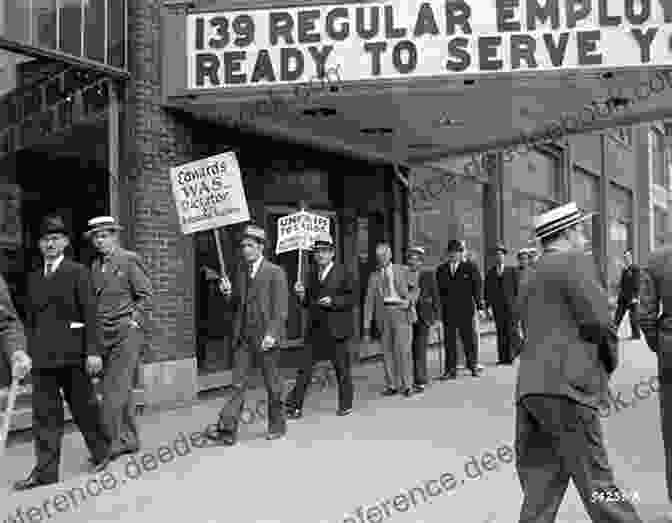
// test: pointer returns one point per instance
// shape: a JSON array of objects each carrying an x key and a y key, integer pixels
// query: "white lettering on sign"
[
  {"x": 414, "y": 38},
  {"x": 209, "y": 193},
  {"x": 299, "y": 230}
]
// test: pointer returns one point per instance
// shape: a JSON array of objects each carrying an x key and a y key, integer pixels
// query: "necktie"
[
  {"x": 499, "y": 271},
  {"x": 49, "y": 269},
  {"x": 453, "y": 269},
  {"x": 387, "y": 284},
  {"x": 250, "y": 271}
]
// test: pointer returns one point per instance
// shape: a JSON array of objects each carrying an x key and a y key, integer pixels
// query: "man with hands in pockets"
[{"x": 259, "y": 297}]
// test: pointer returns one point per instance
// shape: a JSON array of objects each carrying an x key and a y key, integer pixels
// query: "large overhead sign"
[{"x": 412, "y": 39}]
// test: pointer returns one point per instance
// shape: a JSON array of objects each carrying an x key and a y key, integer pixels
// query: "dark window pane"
[
  {"x": 44, "y": 23},
  {"x": 71, "y": 27},
  {"x": 116, "y": 33},
  {"x": 94, "y": 30}
]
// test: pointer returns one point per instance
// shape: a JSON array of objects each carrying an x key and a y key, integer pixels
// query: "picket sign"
[{"x": 209, "y": 194}]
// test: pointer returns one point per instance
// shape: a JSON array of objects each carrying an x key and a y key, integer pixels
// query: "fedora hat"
[
  {"x": 102, "y": 223},
  {"x": 455, "y": 246},
  {"x": 500, "y": 248},
  {"x": 53, "y": 225},
  {"x": 559, "y": 219},
  {"x": 255, "y": 232},
  {"x": 323, "y": 240}
]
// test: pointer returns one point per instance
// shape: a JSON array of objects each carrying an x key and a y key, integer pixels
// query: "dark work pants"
[
  {"x": 558, "y": 440},
  {"x": 339, "y": 355},
  {"x": 505, "y": 334},
  {"x": 118, "y": 407},
  {"x": 631, "y": 308},
  {"x": 49, "y": 418},
  {"x": 246, "y": 355},
  {"x": 464, "y": 326},
  {"x": 420, "y": 339},
  {"x": 665, "y": 386}
]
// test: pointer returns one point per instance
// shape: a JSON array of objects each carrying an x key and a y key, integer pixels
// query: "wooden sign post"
[
  {"x": 9, "y": 413},
  {"x": 299, "y": 270}
]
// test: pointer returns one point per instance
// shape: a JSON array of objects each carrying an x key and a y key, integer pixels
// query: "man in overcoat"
[
  {"x": 124, "y": 301},
  {"x": 427, "y": 307},
  {"x": 628, "y": 295},
  {"x": 390, "y": 300},
  {"x": 655, "y": 314},
  {"x": 565, "y": 365},
  {"x": 329, "y": 299},
  {"x": 501, "y": 290},
  {"x": 459, "y": 282},
  {"x": 64, "y": 346},
  {"x": 259, "y": 298}
]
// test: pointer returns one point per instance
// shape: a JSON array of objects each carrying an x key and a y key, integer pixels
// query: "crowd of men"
[{"x": 551, "y": 312}]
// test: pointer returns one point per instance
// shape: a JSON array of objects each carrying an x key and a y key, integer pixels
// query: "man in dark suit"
[
  {"x": 124, "y": 296},
  {"x": 330, "y": 299},
  {"x": 260, "y": 299},
  {"x": 14, "y": 359},
  {"x": 565, "y": 365},
  {"x": 655, "y": 314},
  {"x": 501, "y": 290},
  {"x": 628, "y": 295},
  {"x": 427, "y": 307},
  {"x": 63, "y": 342},
  {"x": 459, "y": 285}
]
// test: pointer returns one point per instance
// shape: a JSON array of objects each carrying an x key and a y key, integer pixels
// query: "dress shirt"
[
  {"x": 394, "y": 295},
  {"x": 500, "y": 270},
  {"x": 325, "y": 272},
  {"x": 53, "y": 265},
  {"x": 453, "y": 268}
]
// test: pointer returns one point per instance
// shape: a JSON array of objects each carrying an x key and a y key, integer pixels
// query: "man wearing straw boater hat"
[
  {"x": 565, "y": 365},
  {"x": 260, "y": 298},
  {"x": 64, "y": 346},
  {"x": 330, "y": 298},
  {"x": 124, "y": 292}
]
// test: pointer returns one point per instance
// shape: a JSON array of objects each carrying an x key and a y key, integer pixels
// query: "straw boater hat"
[
  {"x": 255, "y": 232},
  {"x": 416, "y": 250},
  {"x": 323, "y": 240},
  {"x": 102, "y": 223},
  {"x": 559, "y": 219}
]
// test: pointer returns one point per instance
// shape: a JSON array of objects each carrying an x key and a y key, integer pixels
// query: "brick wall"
[{"x": 154, "y": 142}]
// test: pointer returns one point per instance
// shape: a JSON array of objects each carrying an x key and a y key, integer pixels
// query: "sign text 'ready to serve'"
[{"x": 410, "y": 38}]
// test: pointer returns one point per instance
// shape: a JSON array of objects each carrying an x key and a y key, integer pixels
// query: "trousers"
[
  {"x": 246, "y": 354},
  {"x": 118, "y": 405},
  {"x": 49, "y": 418},
  {"x": 339, "y": 354},
  {"x": 396, "y": 344},
  {"x": 557, "y": 440},
  {"x": 420, "y": 339}
]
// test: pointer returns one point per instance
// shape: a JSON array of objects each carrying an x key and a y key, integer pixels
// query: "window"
[
  {"x": 624, "y": 134},
  {"x": 586, "y": 194},
  {"x": 659, "y": 226},
  {"x": 658, "y": 163}
]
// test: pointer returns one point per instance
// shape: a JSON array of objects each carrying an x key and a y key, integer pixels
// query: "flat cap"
[
  {"x": 324, "y": 239},
  {"x": 255, "y": 232},
  {"x": 416, "y": 249}
]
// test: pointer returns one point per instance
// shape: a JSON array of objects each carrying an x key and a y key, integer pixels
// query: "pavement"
[{"x": 397, "y": 460}]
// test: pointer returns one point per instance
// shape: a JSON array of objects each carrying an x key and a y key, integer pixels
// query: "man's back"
[
  {"x": 562, "y": 294},
  {"x": 656, "y": 296}
]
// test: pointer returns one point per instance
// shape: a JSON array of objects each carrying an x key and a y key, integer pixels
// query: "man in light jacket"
[{"x": 565, "y": 364}]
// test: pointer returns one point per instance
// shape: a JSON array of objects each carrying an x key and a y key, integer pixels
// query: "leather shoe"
[
  {"x": 31, "y": 482},
  {"x": 102, "y": 465},
  {"x": 448, "y": 376},
  {"x": 476, "y": 373},
  {"x": 275, "y": 435},
  {"x": 294, "y": 413},
  {"x": 344, "y": 412},
  {"x": 407, "y": 393},
  {"x": 390, "y": 392},
  {"x": 418, "y": 388}
]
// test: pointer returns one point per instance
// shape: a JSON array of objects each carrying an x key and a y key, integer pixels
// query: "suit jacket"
[
  {"x": 460, "y": 294},
  {"x": 56, "y": 305},
  {"x": 124, "y": 292},
  {"x": 374, "y": 304},
  {"x": 426, "y": 296},
  {"x": 265, "y": 302},
  {"x": 12, "y": 334},
  {"x": 501, "y": 293},
  {"x": 655, "y": 304},
  {"x": 335, "y": 320},
  {"x": 565, "y": 310},
  {"x": 630, "y": 283}
]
